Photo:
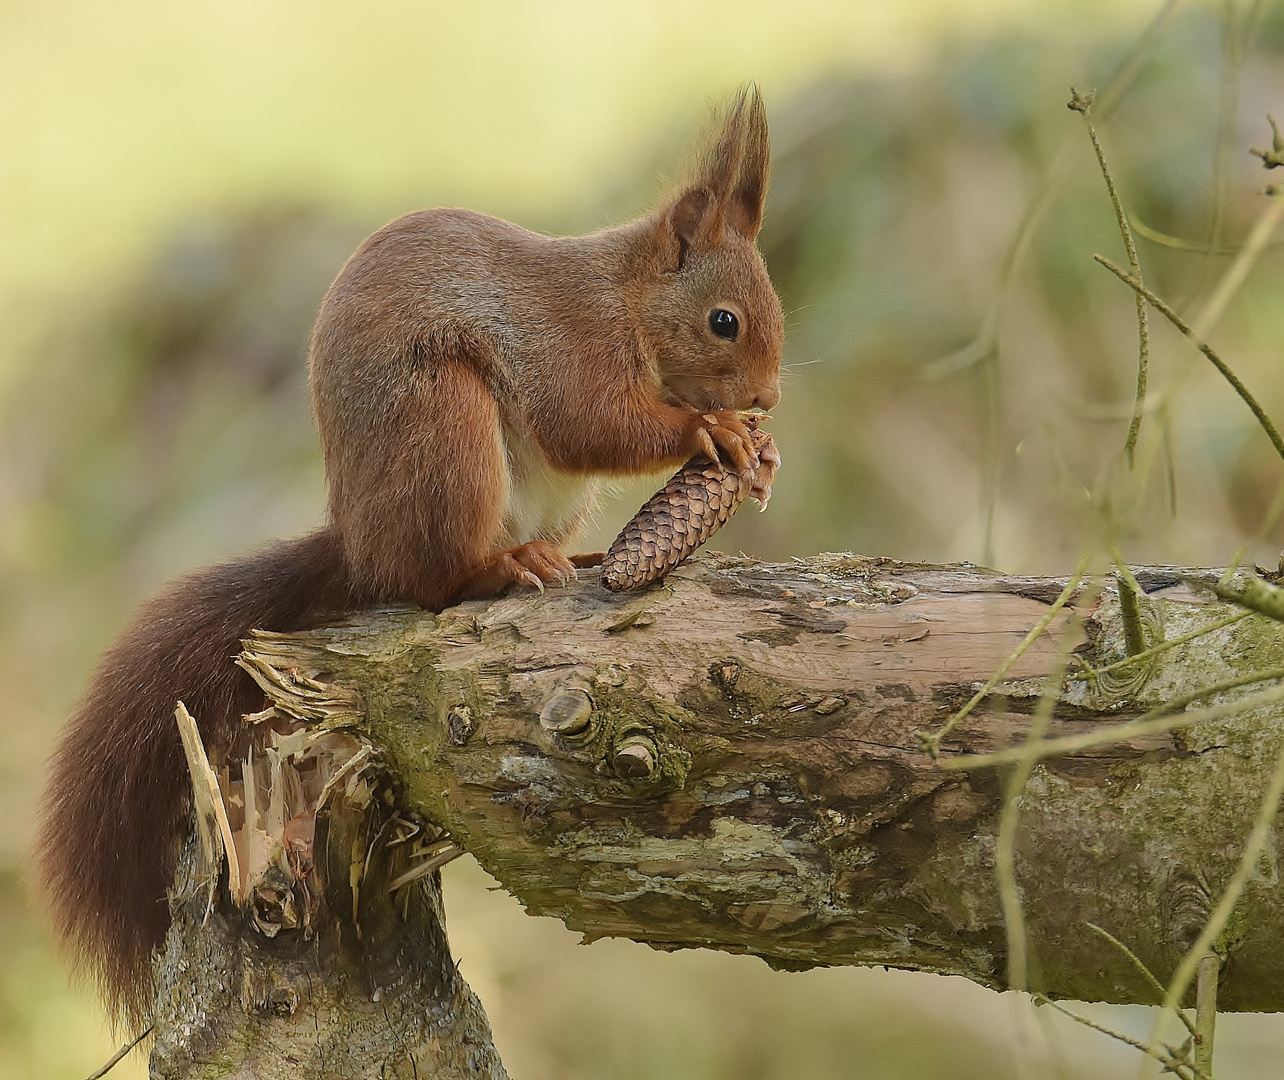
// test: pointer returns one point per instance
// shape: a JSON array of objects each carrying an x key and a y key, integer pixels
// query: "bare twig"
[
  {"x": 1207, "y": 939},
  {"x": 1082, "y": 104},
  {"x": 1274, "y": 157},
  {"x": 1178, "y": 243},
  {"x": 1165, "y": 1057},
  {"x": 1005, "y": 845},
  {"x": 1217, "y": 362},
  {"x": 1129, "y": 607},
  {"x": 1235, "y": 46},
  {"x": 117, "y": 1057},
  {"x": 1255, "y": 594},
  {"x": 1155, "y": 650},
  {"x": 1206, "y": 1010},
  {"x": 1257, "y": 242},
  {"x": 1146, "y": 973},
  {"x": 984, "y": 348}
]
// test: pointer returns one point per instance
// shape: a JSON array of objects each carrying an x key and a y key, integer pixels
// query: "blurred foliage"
[
  {"x": 166, "y": 424},
  {"x": 44, "y": 1030},
  {"x": 893, "y": 205}
]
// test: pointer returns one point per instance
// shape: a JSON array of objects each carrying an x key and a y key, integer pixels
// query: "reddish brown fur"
[{"x": 469, "y": 378}]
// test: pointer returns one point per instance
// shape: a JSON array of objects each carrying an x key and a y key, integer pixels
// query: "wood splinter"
[{"x": 211, "y": 813}]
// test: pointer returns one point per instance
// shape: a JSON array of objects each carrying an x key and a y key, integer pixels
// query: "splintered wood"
[
  {"x": 273, "y": 795},
  {"x": 215, "y": 831},
  {"x": 260, "y": 810},
  {"x": 696, "y": 502},
  {"x": 323, "y": 949}
]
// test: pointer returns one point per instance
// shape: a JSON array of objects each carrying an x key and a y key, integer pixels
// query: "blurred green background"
[{"x": 179, "y": 183}]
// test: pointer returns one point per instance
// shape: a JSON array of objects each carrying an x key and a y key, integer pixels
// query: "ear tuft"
[
  {"x": 744, "y": 209},
  {"x": 721, "y": 163},
  {"x": 729, "y": 187}
]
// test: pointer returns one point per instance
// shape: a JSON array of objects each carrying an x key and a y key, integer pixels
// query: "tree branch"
[{"x": 733, "y": 759}]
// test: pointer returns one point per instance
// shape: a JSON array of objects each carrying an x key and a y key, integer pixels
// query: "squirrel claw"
[
  {"x": 542, "y": 564},
  {"x": 534, "y": 564},
  {"x": 563, "y": 577},
  {"x": 705, "y": 445}
]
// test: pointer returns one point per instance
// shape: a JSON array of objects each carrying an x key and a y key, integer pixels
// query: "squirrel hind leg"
[{"x": 419, "y": 499}]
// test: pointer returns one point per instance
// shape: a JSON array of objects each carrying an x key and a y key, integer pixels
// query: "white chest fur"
[{"x": 541, "y": 503}]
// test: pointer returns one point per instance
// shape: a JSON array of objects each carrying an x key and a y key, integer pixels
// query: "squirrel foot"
[
  {"x": 539, "y": 563},
  {"x": 535, "y": 564}
]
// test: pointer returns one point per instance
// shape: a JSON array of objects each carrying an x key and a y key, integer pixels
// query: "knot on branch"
[{"x": 615, "y": 723}]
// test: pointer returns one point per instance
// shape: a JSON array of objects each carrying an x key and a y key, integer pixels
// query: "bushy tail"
[{"x": 118, "y": 793}]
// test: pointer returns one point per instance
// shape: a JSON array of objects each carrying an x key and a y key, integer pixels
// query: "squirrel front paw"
[
  {"x": 766, "y": 472},
  {"x": 727, "y": 437}
]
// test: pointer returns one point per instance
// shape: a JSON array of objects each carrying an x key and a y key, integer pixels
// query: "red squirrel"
[{"x": 470, "y": 380}]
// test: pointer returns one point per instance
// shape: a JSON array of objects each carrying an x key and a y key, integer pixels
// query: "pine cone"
[{"x": 677, "y": 519}]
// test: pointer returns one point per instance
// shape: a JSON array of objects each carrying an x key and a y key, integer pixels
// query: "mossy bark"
[{"x": 733, "y": 759}]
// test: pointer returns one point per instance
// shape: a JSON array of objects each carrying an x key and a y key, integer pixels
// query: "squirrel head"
[{"x": 707, "y": 312}]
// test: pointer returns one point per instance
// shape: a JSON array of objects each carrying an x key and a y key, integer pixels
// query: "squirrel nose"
[{"x": 767, "y": 399}]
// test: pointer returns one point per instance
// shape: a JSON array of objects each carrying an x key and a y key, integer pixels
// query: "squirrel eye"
[{"x": 724, "y": 324}]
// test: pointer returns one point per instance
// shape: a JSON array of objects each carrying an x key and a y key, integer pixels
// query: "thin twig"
[
  {"x": 1129, "y": 608},
  {"x": 1274, "y": 157},
  {"x": 984, "y": 348},
  {"x": 1178, "y": 243},
  {"x": 1257, "y": 242},
  {"x": 1005, "y": 845},
  {"x": 1146, "y": 973},
  {"x": 1228, "y": 575},
  {"x": 1125, "y": 572},
  {"x": 1234, "y": 49},
  {"x": 1170, "y": 462},
  {"x": 1206, "y": 1010},
  {"x": 992, "y": 472},
  {"x": 1136, "y": 59},
  {"x": 1155, "y": 722},
  {"x": 1216, "y": 360},
  {"x": 1255, "y": 594},
  {"x": 1168, "y": 1060},
  {"x": 119, "y": 1054},
  {"x": 932, "y": 743},
  {"x": 1082, "y": 104},
  {"x": 1271, "y": 516}
]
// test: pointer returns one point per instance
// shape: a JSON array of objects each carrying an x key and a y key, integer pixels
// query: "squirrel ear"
[{"x": 694, "y": 218}]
